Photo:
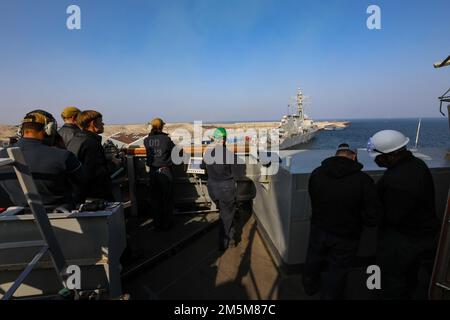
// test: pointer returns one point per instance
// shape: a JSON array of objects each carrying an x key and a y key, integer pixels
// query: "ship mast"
[{"x": 300, "y": 98}]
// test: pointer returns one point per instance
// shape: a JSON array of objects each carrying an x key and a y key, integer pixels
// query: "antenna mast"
[
  {"x": 300, "y": 104},
  {"x": 418, "y": 132}
]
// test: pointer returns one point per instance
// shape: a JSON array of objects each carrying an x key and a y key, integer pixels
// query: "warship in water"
[{"x": 297, "y": 128}]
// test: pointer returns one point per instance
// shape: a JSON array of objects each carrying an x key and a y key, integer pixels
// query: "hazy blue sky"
[{"x": 213, "y": 60}]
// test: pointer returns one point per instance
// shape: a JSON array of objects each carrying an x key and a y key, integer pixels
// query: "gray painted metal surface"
[
  {"x": 189, "y": 189},
  {"x": 49, "y": 244},
  {"x": 94, "y": 241}
]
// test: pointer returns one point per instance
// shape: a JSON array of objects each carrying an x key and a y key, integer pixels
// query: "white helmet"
[{"x": 387, "y": 141}]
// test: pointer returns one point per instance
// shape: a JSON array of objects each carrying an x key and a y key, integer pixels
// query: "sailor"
[
  {"x": 343, "y": 199},
  {"x": 409, "y": 227},
  {"x": 54, "y": 170},
  {"x": 159, "y": 147},
  {"x": 221, "y": 167},
  {"x": 87, "y": 146},
  {"x": 70, "y": 127}
]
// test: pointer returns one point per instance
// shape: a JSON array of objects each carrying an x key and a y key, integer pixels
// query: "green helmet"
[{"x": 220, "y": 134}]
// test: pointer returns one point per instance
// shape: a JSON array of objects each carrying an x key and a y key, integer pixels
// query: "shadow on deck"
[{"x": 201, "y": 271}]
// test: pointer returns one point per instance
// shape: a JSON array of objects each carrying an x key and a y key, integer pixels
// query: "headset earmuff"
[{"x": 47, "y": 120}]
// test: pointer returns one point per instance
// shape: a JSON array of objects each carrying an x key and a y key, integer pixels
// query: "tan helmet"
[
  {"x": 157, "y": 123},
  {"x": 70, "y": 112}
]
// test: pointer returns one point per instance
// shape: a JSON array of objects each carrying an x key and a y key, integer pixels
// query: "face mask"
[{"x": 383, "y": 161}]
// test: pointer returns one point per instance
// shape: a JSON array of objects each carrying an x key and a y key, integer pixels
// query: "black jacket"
[
  {"x": 407, "y": 193},
  {"x": 54, "y": 171},
  {"x": 220, "y": 163},
  {"x": 159, "y": 150},
  {"x": 87, "y": 146},
  {"x": 67, "y": 132},
  {"x": 343, "y": 198}
]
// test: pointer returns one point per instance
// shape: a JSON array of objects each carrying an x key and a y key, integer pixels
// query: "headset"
[{"x": 42, "y": 117}]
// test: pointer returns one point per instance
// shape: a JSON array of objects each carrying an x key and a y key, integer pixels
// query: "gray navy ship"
[{"x": 297, "y": 128}]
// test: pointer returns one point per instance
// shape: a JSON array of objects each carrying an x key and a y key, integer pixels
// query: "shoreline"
[
  {"x": 171, "y": 127},
  {"x": 7, "y": 131}
]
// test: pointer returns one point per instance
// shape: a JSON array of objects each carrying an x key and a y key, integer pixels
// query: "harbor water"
[{"x": 434, "y": 133}]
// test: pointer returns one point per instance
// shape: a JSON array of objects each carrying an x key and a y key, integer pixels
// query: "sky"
[{"x": 233, "y": 60}]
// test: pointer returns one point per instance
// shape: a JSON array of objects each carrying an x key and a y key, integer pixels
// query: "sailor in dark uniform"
[
  {"x": 159, "y": 147},
  {"x": 409, "y": 228},
  {"x": 54, "y": 170},
  {"x": 87, "y": 146},
  {"x": 70, "y": 127},
  {"x": 221, "y": 167},
  {"x": 344, "y": 200}
]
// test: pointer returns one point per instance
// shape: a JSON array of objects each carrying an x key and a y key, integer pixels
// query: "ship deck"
[
  {"x": 198, "y": 270},
  {"x": 185, "y": 263}
]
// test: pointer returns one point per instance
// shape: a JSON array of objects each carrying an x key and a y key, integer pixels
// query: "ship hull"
[{"x": 295, "y": 141}]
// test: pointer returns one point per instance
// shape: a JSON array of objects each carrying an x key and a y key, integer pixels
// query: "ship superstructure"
[{"x": 297, "y": 128}]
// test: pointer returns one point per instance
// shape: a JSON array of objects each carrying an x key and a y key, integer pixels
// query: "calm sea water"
[{"x": 434, "y": 132}]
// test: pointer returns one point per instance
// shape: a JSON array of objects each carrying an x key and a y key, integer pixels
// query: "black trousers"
[
  {"x": 161, "y": 190},
  {"x": 400, "y": 258},
  {"x": 336, "y": 253},
  {"x": 223, "y": 193}
]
